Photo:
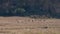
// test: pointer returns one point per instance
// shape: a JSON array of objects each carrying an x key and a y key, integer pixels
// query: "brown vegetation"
[{"x": 26, "y": 25}]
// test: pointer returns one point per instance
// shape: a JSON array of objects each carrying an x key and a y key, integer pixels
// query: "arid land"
[{"x": 26, "y": 25}]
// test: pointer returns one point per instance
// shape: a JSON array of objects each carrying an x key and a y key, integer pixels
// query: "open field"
[{"x": 26, "y": 25}]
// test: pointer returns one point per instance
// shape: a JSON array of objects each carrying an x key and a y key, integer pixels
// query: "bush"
[{"x": 20, "y": 10}]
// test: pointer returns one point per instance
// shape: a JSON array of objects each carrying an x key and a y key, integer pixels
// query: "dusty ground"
[{"x": 25, "y": 25}]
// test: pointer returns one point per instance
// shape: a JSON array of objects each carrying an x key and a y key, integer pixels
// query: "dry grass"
[{"x": 26, "y": 25}]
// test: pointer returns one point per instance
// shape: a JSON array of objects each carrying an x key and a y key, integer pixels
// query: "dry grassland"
[{"x": 26, "y": 25}]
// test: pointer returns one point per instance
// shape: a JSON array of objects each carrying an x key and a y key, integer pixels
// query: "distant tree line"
[{"x": 29, "y": 7}]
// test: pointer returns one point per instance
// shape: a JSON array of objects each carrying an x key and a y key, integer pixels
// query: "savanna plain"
[{"x": 26, "y": 25}]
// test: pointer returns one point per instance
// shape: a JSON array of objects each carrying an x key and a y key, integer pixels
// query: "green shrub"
[{"x": 20, "y": 10}]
